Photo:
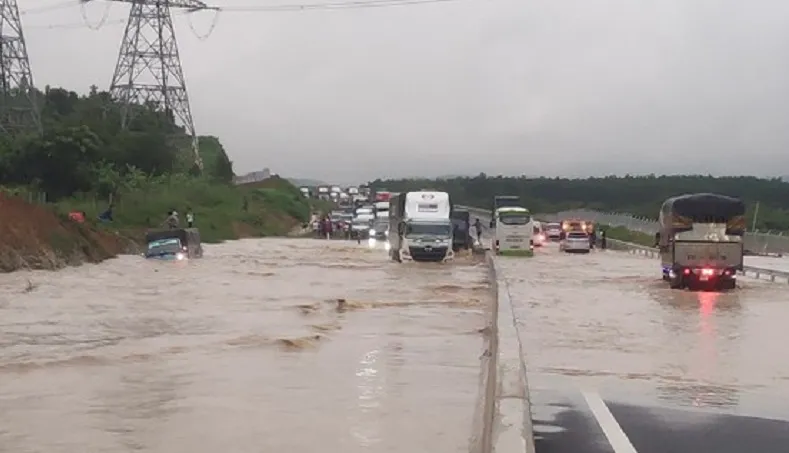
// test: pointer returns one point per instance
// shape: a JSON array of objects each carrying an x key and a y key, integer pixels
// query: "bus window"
[{"x": 517, "y": 219}]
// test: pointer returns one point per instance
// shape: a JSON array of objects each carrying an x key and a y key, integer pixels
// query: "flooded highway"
[
  {"x": 619, "y": 363},
  {"x": 768, "y": 262},
  {"x": 264, "y": 345},
  {"x": 606, "y": 321}
]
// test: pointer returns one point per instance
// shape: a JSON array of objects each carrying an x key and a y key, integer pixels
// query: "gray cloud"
[{"x": 574, "y": 87}]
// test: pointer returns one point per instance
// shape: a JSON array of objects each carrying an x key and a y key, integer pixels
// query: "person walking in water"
[
  {"x": 478, "y": 228},
  {"x": 190, "y": 218}
]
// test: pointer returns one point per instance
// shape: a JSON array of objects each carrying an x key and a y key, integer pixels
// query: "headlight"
[
  {"x": 372, "y": 231},
  {"x": 386, "y": 233},
  {"x": 180, "y": 256}
]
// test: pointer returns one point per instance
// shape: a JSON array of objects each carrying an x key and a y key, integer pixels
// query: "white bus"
[{"x": 514, "y": 232}]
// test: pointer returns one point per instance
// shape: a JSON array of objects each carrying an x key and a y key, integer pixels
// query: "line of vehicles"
[
  {"x": 700, "y": 240},
  {"x": 337, "y": 194}
]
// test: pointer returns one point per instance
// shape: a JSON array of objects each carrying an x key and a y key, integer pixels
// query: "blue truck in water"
[{"x": 173, "y": 244}]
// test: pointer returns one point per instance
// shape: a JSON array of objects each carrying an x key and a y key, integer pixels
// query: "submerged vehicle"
[
  {"x": 420, "y": 227},
  {"x": 175, "y": 244},
  {"x": 514, "y": 231},
  {"x": 700, "y": 241}
]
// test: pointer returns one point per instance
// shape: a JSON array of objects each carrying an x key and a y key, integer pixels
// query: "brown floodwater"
[
  {"x": 607, "y": 322},
  {"x": 291, "y": 345}
]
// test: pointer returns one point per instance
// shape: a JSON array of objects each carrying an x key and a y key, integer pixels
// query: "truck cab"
[
  {"x": 173, "y": 244},
  {"x": 420, "y": 227}
]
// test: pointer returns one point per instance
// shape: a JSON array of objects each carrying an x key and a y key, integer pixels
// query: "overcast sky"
[{"x": 537, "y": 87}]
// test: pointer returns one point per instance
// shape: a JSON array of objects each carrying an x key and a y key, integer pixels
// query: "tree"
[
  {"x": 639, "y": 195},
  {"x": 84, "y": 148}
]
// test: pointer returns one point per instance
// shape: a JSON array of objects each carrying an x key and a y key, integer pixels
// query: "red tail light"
[{"x": 686, "y": 272}]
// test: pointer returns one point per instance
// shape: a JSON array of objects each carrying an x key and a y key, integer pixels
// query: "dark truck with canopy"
[
  {"x": 503, "y": 201},
  {"x": 173, "y": 244},
  {"x": 700, "y": 240}
]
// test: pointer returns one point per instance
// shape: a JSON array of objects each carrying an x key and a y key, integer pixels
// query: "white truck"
[{"x": 420, "y": 227}]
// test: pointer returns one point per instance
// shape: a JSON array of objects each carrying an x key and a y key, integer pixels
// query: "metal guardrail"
[{"x": 636, "y": 249}]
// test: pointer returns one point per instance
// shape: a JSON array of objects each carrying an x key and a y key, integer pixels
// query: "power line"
[{"x": 361, "y": 4}]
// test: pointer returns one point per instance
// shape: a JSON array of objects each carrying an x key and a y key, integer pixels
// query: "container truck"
[{"x": 420, "y": 227}]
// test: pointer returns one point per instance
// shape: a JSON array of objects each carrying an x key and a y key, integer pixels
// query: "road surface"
[
  {"x": 611, "y": 350},
  {"x": 292, "y": 346},
  {"x": 768, "y": 262}
]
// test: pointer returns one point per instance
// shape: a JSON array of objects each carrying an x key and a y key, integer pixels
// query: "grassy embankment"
[
  {"x": 41, "y": 236},
  {"x": 623, "y": 234},
  {"x": 222, "y": 212}
]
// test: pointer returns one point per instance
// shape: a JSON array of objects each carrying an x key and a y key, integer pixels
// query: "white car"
[
  {"x": 575, "y": 242},
  {"x": 538, "y": 238},
  {"x": 553, "y": 231}
]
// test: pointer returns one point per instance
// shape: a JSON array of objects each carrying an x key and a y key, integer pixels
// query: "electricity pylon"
[
  {"x": 149, "y": 70},
  {"x": 18, "y": 106}
]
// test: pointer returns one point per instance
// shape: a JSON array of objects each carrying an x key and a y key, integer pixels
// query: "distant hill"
[{"x": 307, "y": 182}]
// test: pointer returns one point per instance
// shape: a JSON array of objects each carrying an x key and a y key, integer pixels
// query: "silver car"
[{"x": 576, "y": 242}]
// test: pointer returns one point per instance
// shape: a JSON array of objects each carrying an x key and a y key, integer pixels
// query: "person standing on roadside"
[{"x": 190, "y": 218}]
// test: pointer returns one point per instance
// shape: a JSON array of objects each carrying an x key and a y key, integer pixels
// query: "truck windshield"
[
  {"x": 164, "y": 246},
  {"x": 428, "y": 229},
  {"x": 514, "y": 219}
]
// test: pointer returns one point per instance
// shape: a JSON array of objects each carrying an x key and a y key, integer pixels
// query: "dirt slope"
[{"x": 34, "y": 237}]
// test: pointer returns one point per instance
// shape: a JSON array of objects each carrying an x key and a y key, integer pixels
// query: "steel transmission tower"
[
  {"x": 18, "y": 106},
  {"x": 149, "y": 70}
]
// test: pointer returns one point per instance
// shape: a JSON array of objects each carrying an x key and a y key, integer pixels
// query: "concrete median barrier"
[{"x": 507, "y": 408}]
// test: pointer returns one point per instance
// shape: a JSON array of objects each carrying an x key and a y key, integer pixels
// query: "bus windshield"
[
  {"x": 514, "y": 219},
  {"x": 428, "y": 229}
]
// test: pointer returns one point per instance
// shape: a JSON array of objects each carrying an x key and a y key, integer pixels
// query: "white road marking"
[{"x": 613, "y": 432}]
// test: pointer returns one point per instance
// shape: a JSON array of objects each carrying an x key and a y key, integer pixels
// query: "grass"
[
  {"x": 514, "y": 252},
  {"x": 222, "y": 212},
  {"x": 623, "y": 234}
]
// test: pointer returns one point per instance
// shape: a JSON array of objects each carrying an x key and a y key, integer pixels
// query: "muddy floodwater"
[
  {"x": 607, "y": 322},
  {"x": 269, "y": 345}
]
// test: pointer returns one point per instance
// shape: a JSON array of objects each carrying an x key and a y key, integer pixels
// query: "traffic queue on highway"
[{"x": 700, "y": 239}]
